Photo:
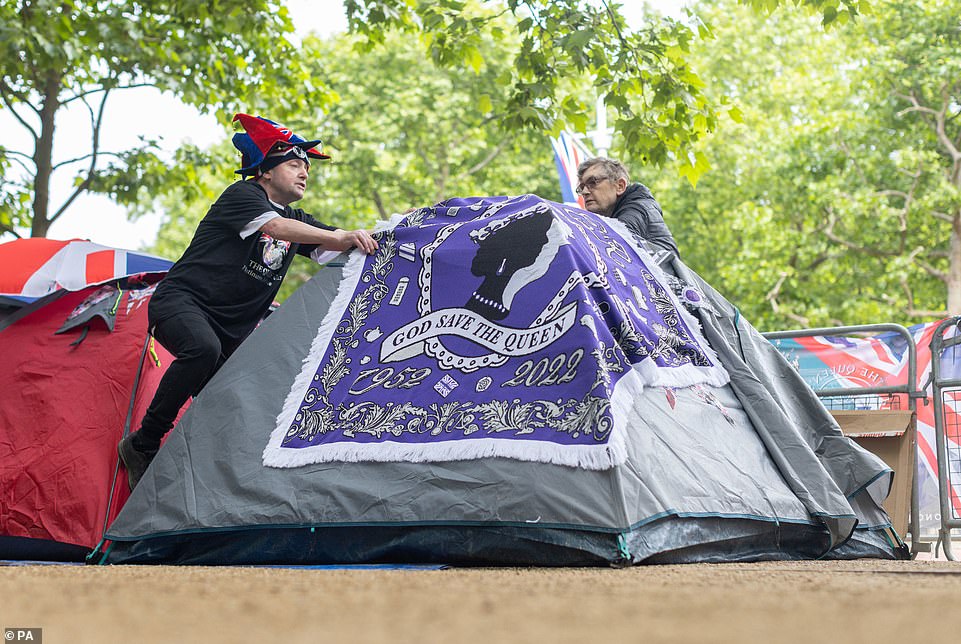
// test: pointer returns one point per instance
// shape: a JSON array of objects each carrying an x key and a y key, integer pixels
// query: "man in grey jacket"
[{"x": 608, "y": 191}]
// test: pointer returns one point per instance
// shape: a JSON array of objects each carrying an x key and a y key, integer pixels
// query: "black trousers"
[{"x": 199, "y": 352}]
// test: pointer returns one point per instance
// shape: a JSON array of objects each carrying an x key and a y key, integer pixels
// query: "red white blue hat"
[{"x": 264, "y": 138}]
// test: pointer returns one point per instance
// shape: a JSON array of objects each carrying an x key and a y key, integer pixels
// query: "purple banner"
[{"x": 512, "y": 327}]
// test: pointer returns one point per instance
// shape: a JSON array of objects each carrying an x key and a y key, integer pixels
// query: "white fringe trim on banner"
[{"x": 591, "y": 457}]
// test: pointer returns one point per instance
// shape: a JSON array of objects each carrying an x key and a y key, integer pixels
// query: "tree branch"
[
  {"x": 802, "y": 321},
  {"x": 828, "y": 231},
  {"x": 915, "y": 105},
  {"x": 83, "y": 95},
  {"x": 909, "y": 310},
  {"x": 620, "y": 35},
  {"x": 914, "y": 254},
  {"x": 379, "y": 203},
  {"x": 15, "y": 153},
  {"x": 21, "y": 163},
  {"x": 9, "y": 229},
  {"x": 939, "y": 119},
  {"x": 820, "y": 259},
  {"x": 943, "y": 216},
  {"x": 946, "y": 102},
  {"x": 483, "y": 163},
  {"x": 925, "y": 313},
  {"x": 412, "y": 195},
  {"x": 772, "y": 298},
  {"x": 908, "y": 201},
  {"x": 95, "y": 122},
  {"x": 85, "y": 157},
  {"x": 774, "y": 292},
  {"x": 23, "y": 97},
  {"x": 890, "y": 193},
  {"x": 908, "y": 293},
  {"x": 4, "y": 89},
  {"x": 932, "y": 271},
  {"x": 847, "y": 152}
]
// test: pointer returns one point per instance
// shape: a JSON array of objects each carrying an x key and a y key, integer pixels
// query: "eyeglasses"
[{"x": 589, "y": 184}]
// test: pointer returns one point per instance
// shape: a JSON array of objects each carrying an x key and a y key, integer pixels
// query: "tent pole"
[{"x": 126, "y": 429}]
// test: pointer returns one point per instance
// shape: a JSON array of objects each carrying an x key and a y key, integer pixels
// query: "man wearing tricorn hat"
[{"x": 224, "y": 283}]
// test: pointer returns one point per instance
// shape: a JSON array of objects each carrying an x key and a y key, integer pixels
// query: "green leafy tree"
[
  {"x": 58, "y": 53},
  {"x": 645, "y": 76},
  {"x": 215, "y": 55},
  {"x": 910, "y": 64},
  {"x": 833, "y": 201}
]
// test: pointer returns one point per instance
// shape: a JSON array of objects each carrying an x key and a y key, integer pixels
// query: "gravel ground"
[{"x": 847, "y": 602}]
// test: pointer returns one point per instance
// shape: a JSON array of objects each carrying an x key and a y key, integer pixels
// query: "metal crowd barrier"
[
  {"x": 874, "y": 396},
  {"x": 946, "y": 392}
]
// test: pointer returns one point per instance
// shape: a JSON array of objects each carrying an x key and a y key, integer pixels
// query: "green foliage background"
[
  {"x": 806, "y": 153},
  {"x": 830, "y": 200}
]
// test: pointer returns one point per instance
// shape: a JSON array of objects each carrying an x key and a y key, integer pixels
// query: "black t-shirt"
[{"x": 230, "y": 279}]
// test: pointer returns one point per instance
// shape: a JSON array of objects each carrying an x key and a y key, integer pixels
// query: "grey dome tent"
[{"x": 745, "y": 468}]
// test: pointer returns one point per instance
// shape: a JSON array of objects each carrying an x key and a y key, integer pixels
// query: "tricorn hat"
[{"x": 261, "y": 136}]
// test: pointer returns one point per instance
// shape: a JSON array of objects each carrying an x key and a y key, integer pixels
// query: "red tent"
[{"x": 67, "y": 399}]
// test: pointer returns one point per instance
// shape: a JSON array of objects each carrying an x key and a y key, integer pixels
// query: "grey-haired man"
[{"x": 607, "y": 190}]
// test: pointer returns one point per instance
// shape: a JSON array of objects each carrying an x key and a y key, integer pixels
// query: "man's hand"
[{"x": 348, "y": 239}]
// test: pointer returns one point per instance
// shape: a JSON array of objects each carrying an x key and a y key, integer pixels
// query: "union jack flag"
[{"x": 568, "y": 154}]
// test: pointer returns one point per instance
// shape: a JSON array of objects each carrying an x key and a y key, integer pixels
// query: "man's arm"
[{"x": 340, "y": 240}]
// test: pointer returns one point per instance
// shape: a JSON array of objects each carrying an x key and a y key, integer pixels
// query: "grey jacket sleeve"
[{"x": 643, "y": 217}]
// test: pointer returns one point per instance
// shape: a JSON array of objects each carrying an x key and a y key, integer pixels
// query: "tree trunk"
[
  {"x": 954, "y": 267},
  {"x": 954, "y": 245},
  {"x": 440, "y": 181},
  {"x": 43, "y": 157}
]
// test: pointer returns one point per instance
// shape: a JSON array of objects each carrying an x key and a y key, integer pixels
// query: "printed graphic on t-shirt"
[{"x": 266, "y": 258}]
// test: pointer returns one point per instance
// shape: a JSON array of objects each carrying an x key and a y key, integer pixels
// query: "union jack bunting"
[
  {"x": 828, "y": 362},
  {"x": 568, "y": 154}
]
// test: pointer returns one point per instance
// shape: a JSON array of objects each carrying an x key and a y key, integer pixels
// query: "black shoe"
[{"x": 134, "y": 460}]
